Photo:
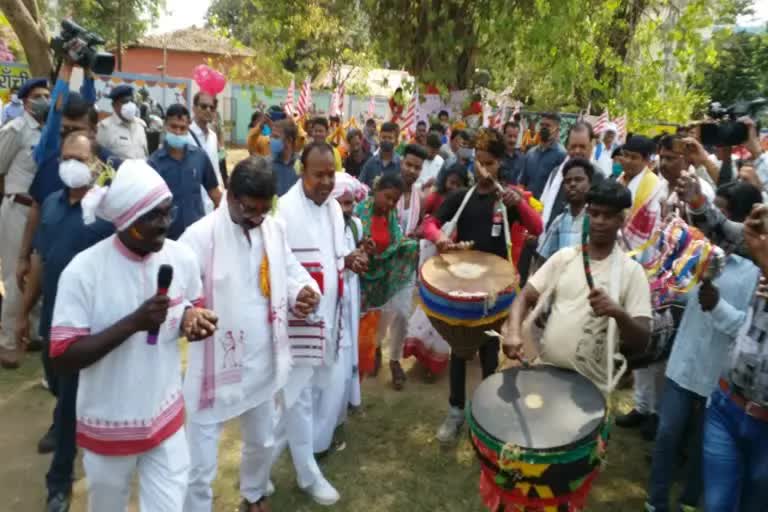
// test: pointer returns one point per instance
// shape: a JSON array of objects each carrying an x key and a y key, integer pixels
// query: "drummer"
[
  {"x": 579, "y": 315},
  {"x": 481, "y": 222}
]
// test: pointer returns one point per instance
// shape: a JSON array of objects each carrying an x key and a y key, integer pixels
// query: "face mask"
[
  {"x": 266, "y": 130},
  {"x": 39, "y": 108},
  {"x": 128, "y": 111},
  {"x": 176, "y": 141},
  {"x": 464, "y": 153},
  {"x": 617, "y": 169},
  {"x": 387, "y": 146},
  {"x": 75, "y": 174},
  {"x": 545, "y": 134},
  {"x": 15, "y": 99},
  {"x": 276, "y": 146}
]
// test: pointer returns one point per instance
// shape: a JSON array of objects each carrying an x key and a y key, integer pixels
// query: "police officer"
[
  {"x": 123, "y": 133},
  {"x": 17, "y": 168}
]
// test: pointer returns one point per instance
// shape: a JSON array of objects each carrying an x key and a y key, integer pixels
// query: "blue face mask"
[
  {"x": 617, "y": 169},
  {"x": 276, "y": 146},
  {"x": 266, "y": 130},
  {"x": 176, "y": 141}
]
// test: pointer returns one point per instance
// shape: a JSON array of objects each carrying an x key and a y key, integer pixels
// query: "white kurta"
[{"x": 130, "y": 400}]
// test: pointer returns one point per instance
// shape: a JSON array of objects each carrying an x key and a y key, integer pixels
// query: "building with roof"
[{"x": 178, "y": 53}]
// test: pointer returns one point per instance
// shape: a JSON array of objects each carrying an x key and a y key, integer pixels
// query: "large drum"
[
  {"x": 540, "y": 435},
  {"x": 464, "y": 294}
]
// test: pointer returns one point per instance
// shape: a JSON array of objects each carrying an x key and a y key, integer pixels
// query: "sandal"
[{"x": 398, "y": 375}]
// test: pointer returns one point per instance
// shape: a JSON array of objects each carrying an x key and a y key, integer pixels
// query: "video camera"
[
  {"x": 725, "y": 130},
  {"x": 79, "y": 45}
]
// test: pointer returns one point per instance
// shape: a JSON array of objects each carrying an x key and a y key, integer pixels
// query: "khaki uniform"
[
  {"x": 124, "y": 140},
  {"x": 17, "y": 139}
]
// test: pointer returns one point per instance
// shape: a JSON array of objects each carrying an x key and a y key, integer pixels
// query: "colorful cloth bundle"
[
  {"x": 523, "y": 480},
  {"x": 677, "y": 258}
]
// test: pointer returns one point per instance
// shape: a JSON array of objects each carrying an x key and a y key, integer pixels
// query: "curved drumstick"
[{"x": 585, "y": 252}]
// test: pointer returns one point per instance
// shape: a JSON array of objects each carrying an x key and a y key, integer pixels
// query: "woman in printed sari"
[{"x": 391, "y": 268}]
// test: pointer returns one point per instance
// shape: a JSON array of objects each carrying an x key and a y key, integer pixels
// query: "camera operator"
[
  {"x": 17, "y": 169},
  {"x": 124, "y": 133}
]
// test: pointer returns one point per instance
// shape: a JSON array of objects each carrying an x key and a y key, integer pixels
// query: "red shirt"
[{"x": 380, "y": 233}]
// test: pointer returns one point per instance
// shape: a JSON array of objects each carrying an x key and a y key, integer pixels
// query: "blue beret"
[
  {"x": 32, "y": 83},
  {"x": 120, "y": 91}
]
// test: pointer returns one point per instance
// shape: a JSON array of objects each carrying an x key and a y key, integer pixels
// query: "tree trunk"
[{"x": 24, "y": 17}]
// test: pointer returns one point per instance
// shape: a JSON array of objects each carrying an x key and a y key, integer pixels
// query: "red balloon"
[{"x": 209, "y": 80}]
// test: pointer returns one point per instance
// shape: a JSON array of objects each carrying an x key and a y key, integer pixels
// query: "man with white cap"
[
  {"x": 604, "y": 148},
  {"x": 116, "y": 323},
  {"x": 123, "y": 133},
  {"x": 251, "y": 276}
]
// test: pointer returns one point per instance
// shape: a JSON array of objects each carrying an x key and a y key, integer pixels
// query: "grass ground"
[{"x": 391, "y": 460}]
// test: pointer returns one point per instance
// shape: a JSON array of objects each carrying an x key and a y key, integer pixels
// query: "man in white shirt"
[
  {"x": 604, "y": 148},
  {"x": 251, "y": 276},
  {"x": 202, "y": 131},
  {"x": 123, "y": 133},
  {"x": 315, "y": 227},
  {"x": 433, "y": 163},
  {"x": 112, "y": 323}
]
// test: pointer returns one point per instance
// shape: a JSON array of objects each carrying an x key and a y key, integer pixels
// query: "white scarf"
[
  {"x": 413, "y": 213},
  {"x": 222, "y": 387},
  {"x": 309, "y": 337}
]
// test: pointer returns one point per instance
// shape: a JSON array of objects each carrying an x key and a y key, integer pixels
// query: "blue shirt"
[
  {"x": 539, "y": 163},
  {"x": 564, "y": 231},
  {"x": 704, "y": 340},
  {"x": 60, "y": 236},
  {"x": 48, "y": 150},
  {"x": 285, "y": 174},
  {"x": 12, "y": 110},
  {"x": 375, "y": 167},
  {"x": 512, "y": 166},
  {"x": 184, "y": 178}
]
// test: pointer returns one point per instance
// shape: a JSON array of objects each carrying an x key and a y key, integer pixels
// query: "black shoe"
[
  {"x": 34, "y": 346},
  {"x": 648, "y": 431},
  {"x": 58, "y": 503},
  {"x": 47, "y": 443},
  {"x": 633, "y": 419}
]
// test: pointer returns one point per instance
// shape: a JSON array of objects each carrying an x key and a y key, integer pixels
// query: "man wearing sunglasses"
[
  {"x": 202, "y": 129},
  {"x": 123, "y": 133}
]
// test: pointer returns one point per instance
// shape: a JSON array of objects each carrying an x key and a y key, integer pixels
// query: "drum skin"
[{"x": 539, "y": 434}]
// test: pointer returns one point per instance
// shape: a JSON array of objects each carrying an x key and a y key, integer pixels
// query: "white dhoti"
[
  {"x": 256, "y": 428},
  {"x": 162, "y": 475},
  {"x": 331, "y": 399}
]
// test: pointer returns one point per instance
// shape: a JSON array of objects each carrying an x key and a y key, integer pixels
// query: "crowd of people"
[{"x": 290, "y": 274}]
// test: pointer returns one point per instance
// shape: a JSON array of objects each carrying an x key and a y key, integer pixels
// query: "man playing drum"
[
  {"x": 580, "y": 309},
  {"x": 481, "y": 222}
]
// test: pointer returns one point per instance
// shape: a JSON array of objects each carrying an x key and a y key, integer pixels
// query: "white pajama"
[
  {"x": 162, "y": 474},
  {"x": 331, "y": 400},
  {"x": 297, "y": 424},
  {"x": 257, "y": 429},
  {"x": 649, "y": 384}
]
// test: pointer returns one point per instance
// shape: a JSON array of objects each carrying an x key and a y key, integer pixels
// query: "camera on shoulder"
[{"x": 81, "y": 47}]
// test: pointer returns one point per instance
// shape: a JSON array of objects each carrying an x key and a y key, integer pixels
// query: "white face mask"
[
  {"x": 75, "y": 174},
  {"x": 129, "y": 110},
  {"x": 15, "y": 99}
]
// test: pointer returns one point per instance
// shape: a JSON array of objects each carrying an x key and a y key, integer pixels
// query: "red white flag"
[
  {"x": 305, "y": 98},
  {"x": 340, "y": 90},
  {"x": 601, "y": 123},
  {"x": 409, "y": 123},
  {"x": 621, "y": 128},
  {"x": 288, "y": 107},
  {"x": 371, "y": 107}
]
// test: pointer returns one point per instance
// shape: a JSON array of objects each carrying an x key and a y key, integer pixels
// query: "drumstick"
[
  {"x": 523, "y": 360},
  {"x": 585, "y": 252}
]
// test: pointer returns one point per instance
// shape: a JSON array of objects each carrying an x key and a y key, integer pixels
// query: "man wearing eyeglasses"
[
  {"x": 123, "y": 133},
  {"x": 186, "y": 169},
  {"x": 202, "y": 130}
]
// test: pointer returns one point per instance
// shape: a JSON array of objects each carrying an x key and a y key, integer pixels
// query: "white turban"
[
  {"x": 348, "y": 183},
  {"x": 135, "y": 190},
  {"x": 610, "y": 127}
]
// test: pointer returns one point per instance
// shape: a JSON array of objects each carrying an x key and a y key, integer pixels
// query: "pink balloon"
[{"x": 209, "y": 80}]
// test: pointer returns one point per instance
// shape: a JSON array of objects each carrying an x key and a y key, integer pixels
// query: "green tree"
[
  {"x": 28, "y": 22},
  {"x": 741, "y": 70}
]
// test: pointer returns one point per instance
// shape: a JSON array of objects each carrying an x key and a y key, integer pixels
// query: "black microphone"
[{"x": 164, "y": 278}]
